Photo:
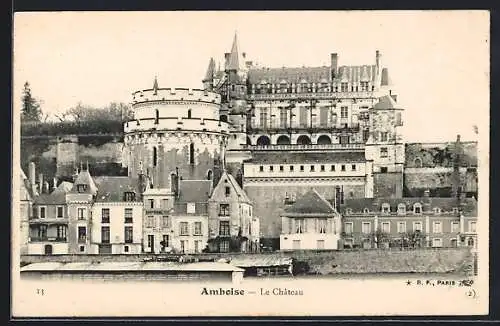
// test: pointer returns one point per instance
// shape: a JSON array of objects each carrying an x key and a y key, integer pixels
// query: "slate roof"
[
  {"x": 310, "y": 203},
  {"x": 386, "y": 102},
  {"x": 307, "y": 157},
  {"x": 112, "y": 189},
  {"x": 209, "y": 75},
  {"x": 385, "y": 80},
  {"x": 84, "y": 178},
  {"x": 27, "y": 185},
  {"x": 374, "y": 205},
  {"x": 234, "y": 60},
  {"x": 57, "y": 197},
  {"x": 290, "y": 75},
  {"x": 356, "y": 74},
  {"x": 194, "y": 191}
]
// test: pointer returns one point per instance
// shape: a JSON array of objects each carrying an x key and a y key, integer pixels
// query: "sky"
[{"x": 438, "y": 60}]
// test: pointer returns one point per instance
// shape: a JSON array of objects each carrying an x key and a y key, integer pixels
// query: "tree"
[
  {"x": 31, "y": 111},
  {"x": 378, "y": 237},
  {"x": 415, "y": 239}
]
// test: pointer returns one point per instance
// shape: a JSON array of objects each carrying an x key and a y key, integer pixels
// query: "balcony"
[
  {"x": 48, "y": 220},
  {"x": 48, "y": 239},
  {"x": 318, "y": 95},
  {"x": 315, "y": 129},
  {"x": 299, "y": 147}
]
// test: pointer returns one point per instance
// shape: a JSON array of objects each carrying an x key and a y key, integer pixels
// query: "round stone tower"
[{"x": 175, "y": 132}]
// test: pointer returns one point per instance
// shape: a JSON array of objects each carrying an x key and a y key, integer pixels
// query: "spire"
[
  {"x": 234, "y": 60},
  {"x": 210, "y": 70},
  {"x": 155, "y": 86}
]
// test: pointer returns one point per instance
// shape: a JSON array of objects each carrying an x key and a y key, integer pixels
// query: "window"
[
  {"x": 129, "y": 196},
  {"x": 332, "y": 168},
  {"x": 366, "y": 210},
  {"x": 189, "y": 114},
  {"x": 81, "y": 213},
  {"x": 224, "y": 209},
  {"x": 281, "y": 168},
  {"x": 417, "y": 226},
  {"x": 191, "y": 153},
  {"x": 322, "y": 223},
  {"x": 197, "y": 228},
  {"x": 437, "y": 210},
  {"x": 224, "y": 246},
  {"x": 82, "y": 234},
  {"x": 383, "y": 136},
  {"x": 191, "y": 208},
  {"x": 366, "y": 134},
  {"x": 348, "y": 227},
  {"x": 166, "y": 240},
  {"x": 453, "y": 243},
  {"x": 128, "y": 215},
  {"x": 343, "y": 87},
  {"x": 82, "y": 248},
  {"x": 343, "y": 112},
  {"x": 150, "y": 222},
  {"x": 183, "y": 228},
  {"x": 417, "y": 208},
  {"x": 348, "y": 211},
  {"x": 401, "y": 227},
  {"x": 42, "y": 231},
  {"x": 283, "y": 118},
  {"x": 261, "y": 168},
  {"x": 364, "y": 86},
  {"x": 383, "y": 169},
  {"x": 437, "y": 227},
  {"x": 301, "y": 168},
  {"x": 366, "y": 227},
  {"x": 105, "y": 215},
  {"x": 312, "y": 168},
  {"x": 155, "y": 156},
  {"x": 300, "y": 225},
  {"x": 125, "y": 248},
  {"x": 60, "y": 211},
  {"x": 470, "y": 242},
  {"x": 291, "y": 168},
  {"x": 151, "y": 240},
  {"x": 342, "y": 168},
  {"x": 320, "y": 244},
  {"x": 455, "y": 210},
  {"x": 42, "y": 210},
  {"x": 386, "y": 227},
  {"x": 436, "y": 242},
  {"x": 384, "y": 152},
  {"x": 472, "y": 226},
  {"x": 165, "y": 221},
  {"x": 197, "y": 244},
  {"x": 455, "y": 227},
  {"x": 157, "y": 116},
  {"x": 322, "y": 168},
  {"x": 61, "y": 232},
  {"x": 105, "y": 234},
  {"x": 183, "y": 244},
  {"x": 129, "y": 234},
  {"x": 271, "y": 168},
  {"x": 353, "y": 167},
  {"x": 386, "y": 208},
  {"x": 81, "y": 188},
  {"x": 401, "y": 209},
  {"x": 263, "y": 118},
  {"x": 224, "y": 228},
  {"x": 151, "y": 203}
]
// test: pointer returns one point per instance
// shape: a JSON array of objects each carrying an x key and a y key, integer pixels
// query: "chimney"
[
  {"x": 244, "y": 55},
  {"x": 334, "y": 62},
  {"x": 32, "y": 173},
  {"x": 46, "y": 187},
  {"x": 40, "y": 182},
  {"x": 54, "y": 184},
  {"x": 427, "y": 201},
  {"x": 378, "y": 57}
]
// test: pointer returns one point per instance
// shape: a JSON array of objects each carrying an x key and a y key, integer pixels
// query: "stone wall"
[
  {"x": 389, "y": 185},
  {"x": 439, "y": 154},
  {"x": 438, "y": 180}
]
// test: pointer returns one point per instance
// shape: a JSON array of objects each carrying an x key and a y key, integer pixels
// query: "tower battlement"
[{"x": 175, "y": 94}]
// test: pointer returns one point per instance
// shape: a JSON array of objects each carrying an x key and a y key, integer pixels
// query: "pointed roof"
[
  {"x": 210, "y": 70},
  {"x": 234, "y": 60},
  {"x": 385, "y": 79},
  {"x": 310, "y": 203},
  {"x": 386, "y": 102},
  {"x": 112, "y": 188},
  {"x": 155, "y": 85},
  {"x": 243, "y": 197},
  {"x": 84, "y": 178},
  {"x": 64, "y": 187}
]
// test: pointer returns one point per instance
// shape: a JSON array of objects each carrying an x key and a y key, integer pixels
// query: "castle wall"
[
  {"x": 389, "y": 185},
  {"x": 438, "y": 180}
]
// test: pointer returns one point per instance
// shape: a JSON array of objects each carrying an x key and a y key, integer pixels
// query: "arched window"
[
  {"x": 417, "y": 208},
  {"x": 401, "y": 209},
  {"x": 173, "y": 182},
  {"x": 223, "y": 118},
  {"x": 417, "y": 162},
  {"x": 283, "y": 140},
  {"x": 470, "y": 242},
  {"x": 263, "y": 141},
  {"x": 303, "y": 140},
  {"x": 366, "y": 210},
  {"x": 155, "y": 156},
  {"x": 191, "y": 153},
  {"x": 189, "y": 114},
  {"x": 157, "y": 116},
  {"x": 386, "y": 208},
  {"x": 209, "y": 175},
  {"x": 324, "y": 140}
]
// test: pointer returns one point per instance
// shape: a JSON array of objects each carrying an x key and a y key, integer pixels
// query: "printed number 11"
[{"x": 40, "y": 291}]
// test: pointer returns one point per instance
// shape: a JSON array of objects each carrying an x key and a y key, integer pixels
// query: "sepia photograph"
[{"x": 250, "y": 163}]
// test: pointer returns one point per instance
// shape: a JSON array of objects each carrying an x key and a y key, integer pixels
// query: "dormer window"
[
  {"x": 417, "y": 208},
  {"x": 366, "y": 210},
  {"x": 455, "y": 210},
  {"x": 386, "y": 208},
  {"x": 401, "y": 209},
  {"x": 348, "y": 210},
  {"x": 81, "y": 188},
  {"x": 129, "y": 196},
  {"x": 437, "y": 210}
]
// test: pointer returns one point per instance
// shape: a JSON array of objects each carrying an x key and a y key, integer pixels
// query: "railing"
[
  {"x": 307, "y": 129},
  {"x": 48, "y": 239},
  {"x": 321, "y": 95},
  {"x": 49, "y": 220},
  {"x": 300, "y": 147}
]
